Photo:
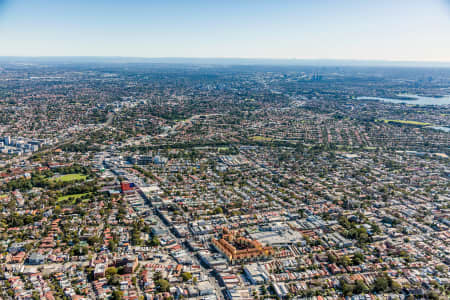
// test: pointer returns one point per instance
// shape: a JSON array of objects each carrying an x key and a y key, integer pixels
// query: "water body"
[
  {"x": 443, "y": 128},
  {"x": 415, "y": 99}
]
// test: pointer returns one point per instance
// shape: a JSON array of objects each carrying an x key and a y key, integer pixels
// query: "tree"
[
  {"x": 345, "y": 261},
  {"x": 114, "y": 279},
  {"x": 163, "y": 285},
  {"x": 332, "y": 258},
  {"x": 361, "y": 287},
  {"x": 36, "y": 295},
  {"x": 155, "y": 241},
  {"x": 358, "y": 258},
  {"x": 112, "y": 246},
  {"x": 110, "y": 271},
  {"x": 433, "y": 295},
  {"x": 28, "y": 247},
  {"x": 217, "y": 210},
  {"x": 440, "y": 268},
  {"x": 157, "y": 276},
  {"x": 57, "y": 210},
  {"x": 117, "y": 295},
  {"x": 264, "y": 290},
  {"x": 186, "y": 276},
  {"x": 347, "y": 289},
  {"x": 381, "y": 283}
]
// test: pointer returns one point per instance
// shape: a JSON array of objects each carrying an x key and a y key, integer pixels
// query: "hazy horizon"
[{"x": 224, "y": 61}]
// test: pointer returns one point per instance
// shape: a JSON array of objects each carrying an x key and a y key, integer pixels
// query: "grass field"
[
  {"x": 407, "y": 122},
  {"x": 258, "y": 138},
  {"x": 75, "y": 196},
  {"x": 70, "y": 177}
]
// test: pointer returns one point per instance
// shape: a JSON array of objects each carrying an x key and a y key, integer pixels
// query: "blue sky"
[{"x": 310, "y": 29}]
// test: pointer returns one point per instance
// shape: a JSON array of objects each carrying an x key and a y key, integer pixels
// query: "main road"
[{"x": 182, "y": 243}]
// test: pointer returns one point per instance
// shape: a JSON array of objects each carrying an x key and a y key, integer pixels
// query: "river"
[{"x": 418, "y": 100}]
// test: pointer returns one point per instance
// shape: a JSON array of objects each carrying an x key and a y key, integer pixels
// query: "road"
[{"x": 181, "y": 242}]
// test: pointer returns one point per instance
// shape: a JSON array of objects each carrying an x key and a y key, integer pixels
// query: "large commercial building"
[{"x": 238, "y": 249}]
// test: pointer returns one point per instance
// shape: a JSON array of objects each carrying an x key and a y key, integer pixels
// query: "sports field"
[{"x": 70, "y": 177}]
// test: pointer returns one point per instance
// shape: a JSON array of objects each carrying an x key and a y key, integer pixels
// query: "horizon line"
[
  {"x": 356, "y": 61},
  {"x": 224, "y": 57}
]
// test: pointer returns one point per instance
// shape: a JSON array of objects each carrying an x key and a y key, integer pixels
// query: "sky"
[{"x": 397, "y": 30}]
